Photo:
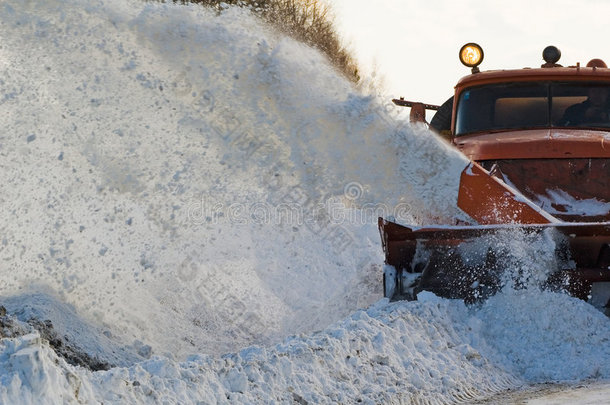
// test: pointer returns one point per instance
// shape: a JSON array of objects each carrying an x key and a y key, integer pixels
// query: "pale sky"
[{"x": 413, "y": 44}]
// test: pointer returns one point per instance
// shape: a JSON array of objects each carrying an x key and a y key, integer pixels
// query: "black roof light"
[{"x": 551, "y": 55}]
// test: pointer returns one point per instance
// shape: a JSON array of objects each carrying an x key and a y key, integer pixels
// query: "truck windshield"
[{"x": 533, "y": 105}]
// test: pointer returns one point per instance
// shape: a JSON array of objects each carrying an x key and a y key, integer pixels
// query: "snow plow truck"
[{"x": 538, "y": 145}]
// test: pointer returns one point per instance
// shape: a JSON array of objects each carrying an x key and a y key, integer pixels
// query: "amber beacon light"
[{"x": 471, "y": 55}]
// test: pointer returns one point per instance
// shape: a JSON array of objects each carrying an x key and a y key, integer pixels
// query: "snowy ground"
[
  {"x": 588, "y": 393},
  {"x": 191, "y": 200}
]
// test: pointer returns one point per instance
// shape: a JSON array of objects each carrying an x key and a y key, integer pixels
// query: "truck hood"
[{"x": 554, "y": 143}]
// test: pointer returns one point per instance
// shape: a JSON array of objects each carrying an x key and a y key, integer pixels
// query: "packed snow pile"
[
  {"x": 430, "y": 351},
  {"x": 180, "y": 184}
]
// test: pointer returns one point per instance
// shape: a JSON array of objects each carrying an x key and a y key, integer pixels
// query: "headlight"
[{"x": 471, "y": 55}]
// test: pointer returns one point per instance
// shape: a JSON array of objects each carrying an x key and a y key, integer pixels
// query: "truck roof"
[{"x": 572, "y": 73}]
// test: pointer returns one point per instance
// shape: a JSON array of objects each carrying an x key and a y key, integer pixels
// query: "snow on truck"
[{"x": 538, "y": 144}]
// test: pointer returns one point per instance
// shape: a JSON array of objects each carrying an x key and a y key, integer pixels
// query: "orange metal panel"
[
  {"x": 575, "y": 190},
  {"x": 489, "y": 201}
]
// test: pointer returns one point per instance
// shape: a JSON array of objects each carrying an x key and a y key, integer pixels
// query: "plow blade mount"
[{"x": 469, "y": 262}]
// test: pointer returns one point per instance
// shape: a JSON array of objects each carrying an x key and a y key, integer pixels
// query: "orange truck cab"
[
  {"x": 545, "y": 131},
  {"x": 538, "y": 141}
]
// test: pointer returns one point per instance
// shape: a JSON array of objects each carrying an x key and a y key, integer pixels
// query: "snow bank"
[
  {"x": 543, "y": 336},
  {"x": 169, "y": 169},
  {"x": 431, "y": 351},
  {"x": 147, "y": 149},
  {"x": 389, "y": 353},
  {"x": 31, "y": 373}
]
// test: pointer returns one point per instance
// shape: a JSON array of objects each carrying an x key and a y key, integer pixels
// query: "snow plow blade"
[
  {"x": 469, "y": 262},
  {"x": 448, "y": 261}
]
